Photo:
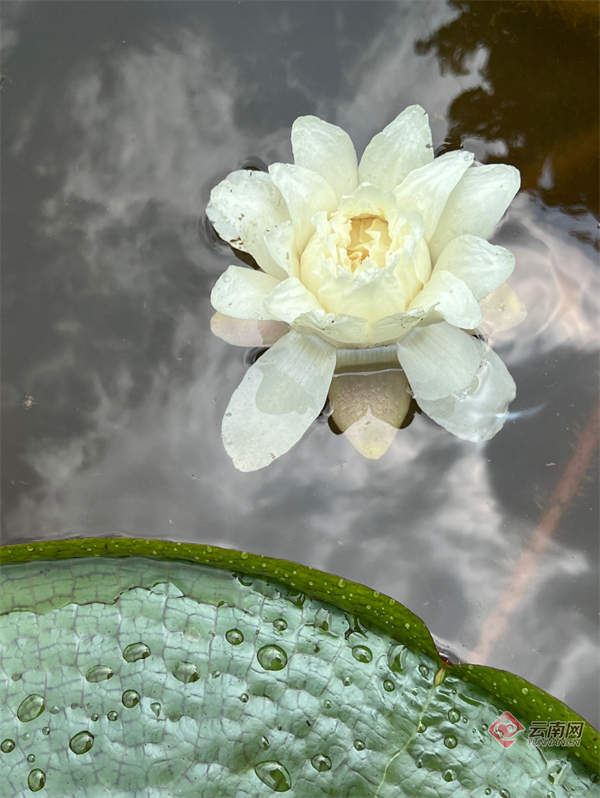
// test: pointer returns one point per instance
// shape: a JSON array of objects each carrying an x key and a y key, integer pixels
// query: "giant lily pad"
[{"x": 148, "y": 668}]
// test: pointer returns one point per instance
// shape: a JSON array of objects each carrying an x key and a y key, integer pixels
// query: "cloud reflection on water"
[{"x": 132, "y": 386}]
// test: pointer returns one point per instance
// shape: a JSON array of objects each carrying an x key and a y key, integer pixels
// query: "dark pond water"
[{"x": 117, "y": 119}]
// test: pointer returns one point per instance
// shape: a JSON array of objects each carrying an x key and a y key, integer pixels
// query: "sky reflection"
[{"x": 106, "y": 282}]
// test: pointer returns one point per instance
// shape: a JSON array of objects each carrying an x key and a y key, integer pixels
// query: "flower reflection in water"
[{"x": 371, "y": 279}]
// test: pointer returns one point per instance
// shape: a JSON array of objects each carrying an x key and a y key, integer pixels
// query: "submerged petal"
[
  {"x": 501, "y": 310},
  {"x": 241, "y": 208},
  {"x": 247, "y": 332},
  {"x": 371, "y": 435},
  {"x": 241, "y": 293},
  {"x": 327, "y": 150},
  {"x": 439, "y": 360},
  {"x": 478, "y": 413},
  {"x": 278, "y": 399},
  {"x": 452, "y": 299},
  {"x": 476, "y": 205},
  {"x": 370, "y": 398},
  {"x": 481, "y": 265},
  {"x": 427, "y": 189},
  {"x": 305, "y": 193},
  {"x": 405, "y": 144}
]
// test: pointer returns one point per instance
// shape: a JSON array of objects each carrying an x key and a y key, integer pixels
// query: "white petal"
[
  {"x": 452, "y": 298},
  {"x": 368, "y": 200},
  {"x": 339, "y": 331},
  {"x": 278, "y": 399},
  {"x": 305, "y": 193},
  {"x": 405, "y": 273},
  {"x": 482, "y": 266},
  {"x": 427, "y": 189},
  {"x": 480, "y": 412},
  {"x": 281, "y": 243},
  {"x": 393, "y": 328},
  {"x": 371, "y": 295},
  {"x": 247, "y": 332},
  {"x": 242, "y": 207},
  {"x": 421, "y": 261},
  {"x": 438, "y": 360},
  {"x": 289, "y": 299},
  {"x": 241, "y": 293},
  {"x": 327, "y": 150},
  {"x": 501, "y": 310},
  {"x": 405, "y": 144},
  {"x": 476, "y": 205}
]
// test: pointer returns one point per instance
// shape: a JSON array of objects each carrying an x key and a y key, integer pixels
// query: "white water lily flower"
[{"x": 385, "y": 260}]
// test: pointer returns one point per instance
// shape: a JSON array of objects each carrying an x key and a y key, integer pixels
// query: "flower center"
[{"x": 369, "y": 238}]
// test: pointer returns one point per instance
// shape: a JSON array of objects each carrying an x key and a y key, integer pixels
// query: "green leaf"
[{"x": 150, "y": 668}]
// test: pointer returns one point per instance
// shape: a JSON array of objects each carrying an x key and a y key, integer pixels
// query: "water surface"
[{"x": 118, "y": 119}]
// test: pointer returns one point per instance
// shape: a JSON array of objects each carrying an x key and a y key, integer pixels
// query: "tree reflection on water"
[{"x": 538, "y": 95}]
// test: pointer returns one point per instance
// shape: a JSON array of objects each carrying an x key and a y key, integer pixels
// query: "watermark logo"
[
  {"x": 505, "y": 729},
  {"x": 542, "y": 733},
  {"x": 551, "y": 733}
]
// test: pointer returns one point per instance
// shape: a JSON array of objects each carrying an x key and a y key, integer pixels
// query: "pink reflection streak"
[{"x": 496, "y": 624}]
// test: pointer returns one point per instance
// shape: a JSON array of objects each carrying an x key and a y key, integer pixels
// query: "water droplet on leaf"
[
  {"x": 424, "y": 670},
  {"x": 155, "y": 707},
  {"x": 31, "y": 707},
  {"x": 82, "y": 742},
  {"x": 389, "y": 686},
  {"x": 450, "y": 741},
  {"x": 453, "y": 716},
  {"x": 112, "y": 715},
  {"x": 99, "y": 673},
  {"x": 272, "y": 658},
  {"x": 6, "y": 746},
  {"x": 130, "y": 698},
  {"x": 359, "y": 745},
  {"x": 36, "y": 780},
  {"x": 234, "y": 636},
  {"x": 362, "y": 654},
  {"x": 280, "y": 624},
  {"x": 46, "y": 730},
  {"x": 274, "y": 775},
  {"x": 136, "y": 651},
  {"x": 395, "y": 657},
  {"x": 186, "y": 672},
  {"x": 244, "y": 698},
  {"x": 31, "y": 759},
  {"x": 449, "y": 775},
  {"x": 321, "y": 762}
]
